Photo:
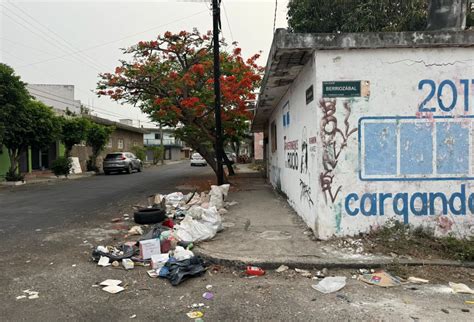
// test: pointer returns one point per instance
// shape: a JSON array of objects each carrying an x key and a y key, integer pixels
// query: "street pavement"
[
  {"x": 58, "y": 203},
  {"x": 49, "y": 231}
]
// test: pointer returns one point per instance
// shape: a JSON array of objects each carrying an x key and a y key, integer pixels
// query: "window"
[
  {"x": 309, "y": 95},
  {"x": 157, "y": 136},
  {"x": 109, "y": 144},
  {"x": 274, "y": 136},
  {"x": 120, "y": 143}
]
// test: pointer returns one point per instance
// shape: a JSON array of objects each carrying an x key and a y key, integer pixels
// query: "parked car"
[
  {"x": 122, "y": 161},
  {"x": 197, "y": 159}
]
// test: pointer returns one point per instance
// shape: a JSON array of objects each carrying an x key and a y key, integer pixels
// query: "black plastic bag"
[{"x": 183, "y": 270}]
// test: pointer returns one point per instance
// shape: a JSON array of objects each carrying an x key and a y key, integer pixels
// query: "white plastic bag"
[
  {"x": 211, "y": 218},
  {"x": 190, "y": 230},
  {"x": 330, "y": 284},
  {"x": 174, "y": 199},
  {"x": 195, "y": 212},
  {"x": 180, "y": 254},
  {"x": 218, "y": 195}
]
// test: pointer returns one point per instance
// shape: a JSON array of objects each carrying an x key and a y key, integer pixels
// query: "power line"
[
  {"x": 116, "y": 40},
  {"x": 275, "y": 15},
  {"x": 228, "y": 22},
  {"x": 66, "y": 101},
  {"x": 41, "y": 36},
  {"x": 33, "y": 48},
  {"x": 57, "y": 35}
]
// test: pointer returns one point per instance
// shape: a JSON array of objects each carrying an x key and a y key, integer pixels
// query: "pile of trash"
[{"x": 168, "y": 230}]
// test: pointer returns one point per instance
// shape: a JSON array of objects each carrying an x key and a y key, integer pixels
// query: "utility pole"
[
  {"x": 161, "y": 144},
  {"x": 216, "y": 12}
]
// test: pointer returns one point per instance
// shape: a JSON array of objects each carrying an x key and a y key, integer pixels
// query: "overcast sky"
[{"x": 70, "y": 41}]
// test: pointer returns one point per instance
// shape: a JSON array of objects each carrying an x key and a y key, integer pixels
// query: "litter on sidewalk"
[
  {"x": 461, "y": 288},
  {"x": 382, "y": 279},
  {"x": 330, "y": 284},
  {"x": 112, "y": 286},
  {"x": 254, "y": 271},
  {"x": 417, "y": 280},
  {"x": 282, "y": 269}
]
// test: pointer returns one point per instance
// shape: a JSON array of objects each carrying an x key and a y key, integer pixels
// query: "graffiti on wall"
[
  {"x": 291, "y": 149},
  {"x": 304, "y": 152},
  {"x": 334, "y": 140},
  {"x": 306, "y": 193}
]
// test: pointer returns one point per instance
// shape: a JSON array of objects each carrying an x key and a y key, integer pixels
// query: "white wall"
[
  {"x": 59, "y": 97},
  {"x": 404, "y": 151}
]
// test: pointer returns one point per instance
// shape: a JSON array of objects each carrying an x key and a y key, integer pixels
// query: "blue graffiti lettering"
[{"x": 404, "y": 204}]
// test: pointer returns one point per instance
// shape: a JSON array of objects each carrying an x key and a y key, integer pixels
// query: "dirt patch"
[
  {"x": 435, "y": 274},
  {"x": 399, "y": 240}
]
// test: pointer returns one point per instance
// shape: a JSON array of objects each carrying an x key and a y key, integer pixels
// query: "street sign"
[{"x": 346, "y": 89}]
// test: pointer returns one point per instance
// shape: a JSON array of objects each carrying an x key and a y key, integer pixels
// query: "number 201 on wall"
[{"x": 446, "y": 87}]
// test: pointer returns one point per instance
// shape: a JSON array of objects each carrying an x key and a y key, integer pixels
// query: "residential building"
[
  {"x": 174, "y": 148},
  {"x": 123, "y": 138},
  {"x": 59, "y": 97},
  {"x": 366, "y": 128}
]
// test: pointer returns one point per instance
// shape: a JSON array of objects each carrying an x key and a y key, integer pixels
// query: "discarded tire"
[{"x": 150, "y": 216}]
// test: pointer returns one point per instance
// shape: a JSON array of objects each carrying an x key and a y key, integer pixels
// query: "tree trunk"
[
  {"x": 229, "y": 165},
  {"x": 208, "y": 156},
  {"x": 14, "y": 156}
]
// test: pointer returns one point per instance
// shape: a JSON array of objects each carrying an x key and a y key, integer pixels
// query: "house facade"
[
  {"x": 123, "y": 138},
  {"x": 363, "y": 129},
  {"x": 175, "y": 149}
]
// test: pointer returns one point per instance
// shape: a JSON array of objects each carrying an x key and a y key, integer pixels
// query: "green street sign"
[{"x": 346, "y": 89}]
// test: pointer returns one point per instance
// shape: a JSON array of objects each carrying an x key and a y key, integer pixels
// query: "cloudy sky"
[{"x": 71, "y": 41}]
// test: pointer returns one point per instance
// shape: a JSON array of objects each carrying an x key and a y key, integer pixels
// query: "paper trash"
[{"x": 382, "y": 279}]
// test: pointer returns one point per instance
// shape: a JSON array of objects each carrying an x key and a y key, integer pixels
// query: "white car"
[{"x": 197, "y": 159}]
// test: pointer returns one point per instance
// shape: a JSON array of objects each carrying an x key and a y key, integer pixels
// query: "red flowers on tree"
[{"x": 171, "y": 79}]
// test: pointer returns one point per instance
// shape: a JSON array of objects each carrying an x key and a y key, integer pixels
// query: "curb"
[{"x": 305, "y": 263}]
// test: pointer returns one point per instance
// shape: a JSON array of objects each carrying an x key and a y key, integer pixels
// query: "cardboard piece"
[
  {"x": 382, "y": 279},
  {"x": 149, "y": 247},
  {"x": 113, "y": 289},
  {"x": 111, "y": 282}
]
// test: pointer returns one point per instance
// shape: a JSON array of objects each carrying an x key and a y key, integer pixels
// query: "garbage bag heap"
[{"x": 177, "y": 222}]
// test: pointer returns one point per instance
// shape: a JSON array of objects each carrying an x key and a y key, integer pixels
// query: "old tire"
[{"x": 150, "y": 216}]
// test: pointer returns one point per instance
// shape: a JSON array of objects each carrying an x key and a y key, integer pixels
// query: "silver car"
[
  {"x": 197, "y": 159},
  {"x": 122, "y": 161}
]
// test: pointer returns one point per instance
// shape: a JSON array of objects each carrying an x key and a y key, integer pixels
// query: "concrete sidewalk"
[{"x": 263, "y": 230}]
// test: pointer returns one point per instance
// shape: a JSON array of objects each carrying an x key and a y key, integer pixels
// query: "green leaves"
[
  {"x": 98, "y": 136},
  {"x": 74, "y": 131},
  {"x": 334, "y": 16}
]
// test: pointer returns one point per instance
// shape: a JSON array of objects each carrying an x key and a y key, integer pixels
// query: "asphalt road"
[{"x": 55, "y": 204}]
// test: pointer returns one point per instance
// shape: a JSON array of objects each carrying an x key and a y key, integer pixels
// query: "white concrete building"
[
  {"x": 60, "y": 97},
  {"x": 361, "y": 129}
]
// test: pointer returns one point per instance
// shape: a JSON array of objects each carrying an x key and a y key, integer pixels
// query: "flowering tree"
[{"x": 171, "y": 79}]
